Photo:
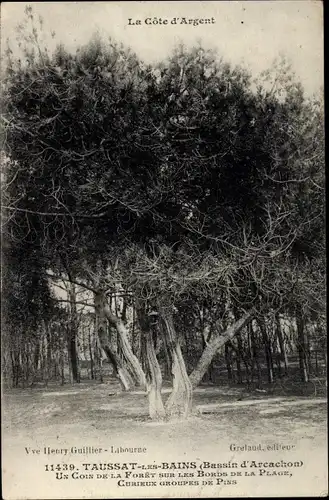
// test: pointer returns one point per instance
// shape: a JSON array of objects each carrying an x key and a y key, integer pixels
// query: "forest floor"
[
  {"x": 90, "y": 408},
  {"x": 224, "y": 421}
]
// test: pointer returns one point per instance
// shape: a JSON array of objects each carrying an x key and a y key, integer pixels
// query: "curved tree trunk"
[
  {"x": 153, "y": 370},
  {"x": 131, "y": 363},
  {"x": 216, "y": 343},
  {"x": 102, "y": 332},
  {"x": 179, "y": 403},
  {"x": 156, "y": 408}
]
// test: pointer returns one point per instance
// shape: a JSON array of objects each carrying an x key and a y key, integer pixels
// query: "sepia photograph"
[{"x": 163, "y": 326}]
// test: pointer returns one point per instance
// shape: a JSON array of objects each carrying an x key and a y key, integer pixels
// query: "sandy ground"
[{"x": 222, "y": 429}]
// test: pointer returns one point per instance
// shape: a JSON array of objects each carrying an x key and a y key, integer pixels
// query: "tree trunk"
[
  {"x": 36, "y": 356},
  {"x": 267, "y": 348},
  {"x": 45, "y": 357},
  {"x": 206, "y": 335},
  {"x": 308, "y": 352},
  {"x": 283, "y": 350},
  {"x": 97, "y": 350},
  {"x": 316, "y": 363},
  {"x": 15, "y": 367},
  {"x": 239, "y": 357},
  {"x": 153, "y": 370},
  {"x": 136, "y": 337},
  {"x": 131, "y": 362},
  {"x": 325, "y": 361},
  {"x": 73, "y": 356},
  {"x": 90, "y": 349},
  {"x": 167, "y": 363},
  {"x": 216, "y": 343},
  {"x": 238, "y": 368},
  {"x": 49, "y": 351},
  {"x": 72, "y": 334},
  {"x": 254, "y": 351},
  {"x": 102, "y": 332},
  {"x": 302, "y": 348},
  {"x": 156, "y": 408},
  {"x": 228, "y": 360},
  {"x": 62, "y": 364},
  {"x": 179, "y": 403}
]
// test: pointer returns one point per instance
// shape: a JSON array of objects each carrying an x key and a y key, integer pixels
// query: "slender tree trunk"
[
  {"x": 254, "y": 350},
  {"x": 56, "y": 366},
  {"x": 277, "y": 355},
  {"x": 246, "y": 362},
  {"x": 238, "y": 367},
  {"x": 206, "y": 336},
  {"x": 267, "y": 348},
  {"x": 168, "y": 362},
  {"x": 62, "y": 364},
  {"x": 45, "y": 357},
  {"x": 302, "y": 347},
  {"x": 216, "y": 343},
  {"x": 72, "y": 334},
  {"x": 308, "y": 352},
  {"x": 325, "y": 360},
  {"x": 72, "y": 350},
  {"x": 136, "y": 337},
  {"x": 84, "y": 347},
  {"x": 97, "y": 350},
  {"x": 49, "y": 351},
  {"x": 283, "y": 350},
  {"x": 179, "y": 403},
  {"x": 316, "y": 362},
  {"x": 23, "y": 366},
  {"x": 250, "y": 355},
  {"x": 102, "y": 331},
  {"x": 15, "y": 367},
  {"x": 228, "y": 360},
  {"x": 36, "y": 356},
  {"x": 239, "y": 357},
  {"x": 90, "y": 349}
]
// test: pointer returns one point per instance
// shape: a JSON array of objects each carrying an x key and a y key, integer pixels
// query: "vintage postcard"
[{"x": 163, "y": 327}]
